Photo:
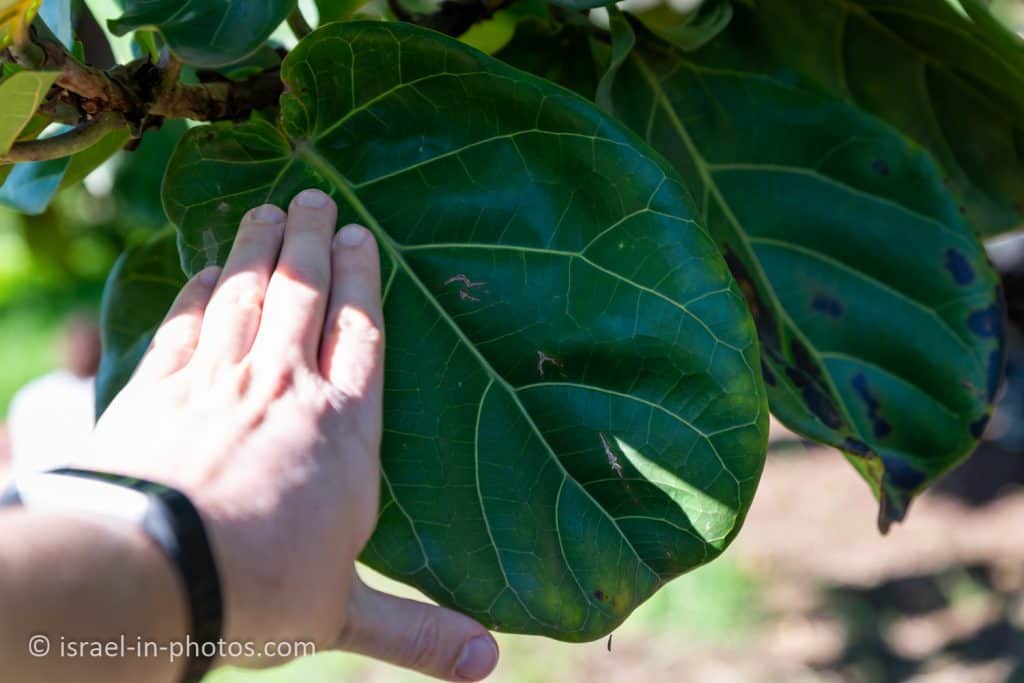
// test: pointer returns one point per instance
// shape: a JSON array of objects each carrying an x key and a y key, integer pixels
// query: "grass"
[{"x": 713, "y": 606}]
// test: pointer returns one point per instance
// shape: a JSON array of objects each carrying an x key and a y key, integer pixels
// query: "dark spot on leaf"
[
  {"x": 963, "y": 210},
  {"x": 599, "y": 594},
  {"x": 764, "y": 317},
  {"x": 978, "y": 426},
  {"x": 901, "y": 475},
  {"x": 827, "y": 305},
  {"x": 986, "y": 322},
  {"x": 880, "y": 166},
  {"x": 880, "y": 427},
  {"x": 856, "y": 446},
  {"x": 806, "y": 376},
  {"x": 959, "y": 267}
]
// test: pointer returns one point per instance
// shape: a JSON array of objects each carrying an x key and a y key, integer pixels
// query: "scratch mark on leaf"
[
  {"x": 464, "y": 279},
  {"x": 613, "y": 460},
  {"x": 543, "y": 358}
]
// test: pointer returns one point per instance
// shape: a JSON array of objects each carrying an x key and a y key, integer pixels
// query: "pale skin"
[{"x": 260, "y": 398}]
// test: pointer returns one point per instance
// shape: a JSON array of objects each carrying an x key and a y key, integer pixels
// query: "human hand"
[{"x": 260, "y": 398}]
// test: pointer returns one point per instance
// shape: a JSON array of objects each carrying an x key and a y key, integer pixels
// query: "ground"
[{"x": 809, "y": 592}]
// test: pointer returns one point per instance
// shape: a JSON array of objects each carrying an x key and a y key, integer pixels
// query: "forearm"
[{"x": 76, "y": 581}]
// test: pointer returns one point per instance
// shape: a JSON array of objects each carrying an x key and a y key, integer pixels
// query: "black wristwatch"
[{"x": 167, "y": 516}]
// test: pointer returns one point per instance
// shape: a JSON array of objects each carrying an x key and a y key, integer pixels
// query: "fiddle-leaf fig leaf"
[
  {"x": 952, "y": 84},
  {"x": 206, "y": 33},
  {"x": 880, "y": 318},
  {"x": 22, "y": 93},
  {"x": 140, "y": 289},
  {"x": 573, "y": 412}
]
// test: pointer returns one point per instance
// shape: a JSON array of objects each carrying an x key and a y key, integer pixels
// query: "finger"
[
  {"x": 234, "y": 312},
  {"x": 293, "y": 315},
  {"x": 353, "y": 342},
  {"x": 431, "y": 640},
  {"x": 176, "y": 338}
]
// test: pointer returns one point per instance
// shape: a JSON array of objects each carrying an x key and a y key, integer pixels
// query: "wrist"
[{"x": 77, "y": 579}]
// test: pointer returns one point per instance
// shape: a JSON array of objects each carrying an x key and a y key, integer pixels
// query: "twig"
[
  {"x": 84, "y": 136},
  {"x": 298, "y": 24},
  {"x": 225, "y": 100}
]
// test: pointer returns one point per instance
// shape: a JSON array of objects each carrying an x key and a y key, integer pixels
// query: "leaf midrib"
[
  {"x": 709, "y": 182},
  {"x": 313, "y": 157}
]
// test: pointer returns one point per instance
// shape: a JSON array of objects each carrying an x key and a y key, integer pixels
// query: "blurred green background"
[{"x": 810, "y": 592}]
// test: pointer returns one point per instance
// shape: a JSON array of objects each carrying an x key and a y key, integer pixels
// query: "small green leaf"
[
  {"x": 619, "y": 25},
  {"x": 22, "y": 93},
  {"x": 206, "y": 33},
  {"x": 560, "y": 52},
  {"x": 87, "y": 161},
  {"x": 953, "y": 85},
  {"x": 338, "y": 10},
  {"x": 573, "y": 412},
  {"x": 691, "y": 30},
  {"x": 880, "y": 319},
  {"x": 493, "y": 34},
  {"x": 140, "y": 289}
]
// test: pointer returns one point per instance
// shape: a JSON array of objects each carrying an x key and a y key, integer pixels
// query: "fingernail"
[
  {"x": 268, "y": 213},
  {"x": 209, "y": 276},
  {"x": 312, "y": 199},
  {"x": 478, "y": 657},
  {"x": 352, "y": 236}
]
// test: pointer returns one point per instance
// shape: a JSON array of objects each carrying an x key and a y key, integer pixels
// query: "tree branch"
[
  {"x": 298, "y": 24},
  {"x": 219, "y": 101},
  {"x": 84, "y": 136}
]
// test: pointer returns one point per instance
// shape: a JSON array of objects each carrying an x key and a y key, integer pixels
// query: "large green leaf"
[
  {"x": 21, "y": 94},
  {"x": 206, "y": 33},
  {"x": 138, "y": 177},
  {"x": 140, "y": 289},
  {"x": 573, "y": 409},
  {"x": 953, "y": 85},
  {"x": 881, "y": 321}
]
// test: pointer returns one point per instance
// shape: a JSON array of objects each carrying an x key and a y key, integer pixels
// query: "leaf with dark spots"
[
  {"x": 856, "y": 446},
  {"x": 978, "y": 426},
  {"x": 860, "y": 385},
  {"x": 827, "y": 305},
  {"x": 959, "y": 267},
  {"x": 877, "y": 351},
  {"x": 927, "y": 69},
  {"x": 525, "y": 340},
  {"x": 987, "y": 322}
]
